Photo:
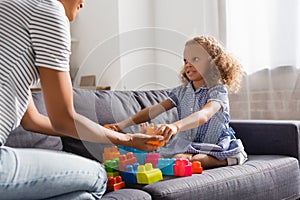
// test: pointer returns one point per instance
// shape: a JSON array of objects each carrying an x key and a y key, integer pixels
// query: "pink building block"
[
  {"x": 182, "y": 167},
  {"x": 126, "y": 159},
  {"x": 152, "y": 158}
]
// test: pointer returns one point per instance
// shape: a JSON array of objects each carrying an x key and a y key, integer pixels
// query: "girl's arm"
[
  {"x": 64, "y": 121},
  {"x": 143, "y": 116},
  {"x": 194, "y": 120},
  {"x": 198, "y": 118}
]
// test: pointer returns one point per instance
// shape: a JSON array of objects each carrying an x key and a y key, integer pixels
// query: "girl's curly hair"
[{"x": 229, "y": 70}]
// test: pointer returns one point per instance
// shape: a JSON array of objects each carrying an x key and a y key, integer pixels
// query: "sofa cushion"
[
  {"x": 262, "y": 177},
  {"x": 126, "y": 194},
  {"x": 26, "y": 139}
]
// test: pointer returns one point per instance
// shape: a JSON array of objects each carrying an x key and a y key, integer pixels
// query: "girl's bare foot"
[{"x": 208, "y": 161}]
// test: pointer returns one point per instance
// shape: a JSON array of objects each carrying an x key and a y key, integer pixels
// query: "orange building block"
[
  {"x": 115, "y": 183},
  {"x": 110, "y": 153},
  {"x": 150, "y": 131},
  {"x": 126, "y": 159},
  {"x": 196, "y": 167}
]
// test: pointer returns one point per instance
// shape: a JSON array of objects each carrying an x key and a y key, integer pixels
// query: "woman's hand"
[
  {"x": 114, "y": 127},
  {"x": 167, "y": 131},
  {"x": 139, "y": 141}
]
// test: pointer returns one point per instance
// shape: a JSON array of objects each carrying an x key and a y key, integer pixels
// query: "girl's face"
[
  {"x": 196, "y": 60},
  {"x": 72, "y": 7}
]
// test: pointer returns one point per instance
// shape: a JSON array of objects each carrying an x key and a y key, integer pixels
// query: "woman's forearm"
[
  {"x": 90, "y": 131},
  {"x": 79, "y": 127}
]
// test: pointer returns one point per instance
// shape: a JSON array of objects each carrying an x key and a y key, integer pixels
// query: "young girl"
[{"x": 202, "y": 132}]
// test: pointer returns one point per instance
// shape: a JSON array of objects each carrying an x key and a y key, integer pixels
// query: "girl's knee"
[{"x": 184, "y": 156}]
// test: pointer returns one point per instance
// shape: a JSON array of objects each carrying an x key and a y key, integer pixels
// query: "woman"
[{"x": 35, "y": 44}]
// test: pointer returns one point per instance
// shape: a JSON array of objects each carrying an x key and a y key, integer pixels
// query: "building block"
[
  {"x": 150, "y": 131},
  {"x": 147, "y": 175},
  {"x": 152, "y": 158},
  {"x": 182, "y": 167},
  {"x": 112, "y": 174},
  {"x": 126, "y": 159},
  {"x": 129, "y": 175},
  {"x": 140, "y": 155},
  {"x": 166, "y": 166},
  {"x": 196, "y": 167},
  {"x": 111, "y": 165},
  {"x": 115, "y": 183},
  {"x": 110, "y": 153}
]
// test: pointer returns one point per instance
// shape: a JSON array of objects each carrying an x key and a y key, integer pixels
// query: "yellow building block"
[{"x": 147, "y": 175}]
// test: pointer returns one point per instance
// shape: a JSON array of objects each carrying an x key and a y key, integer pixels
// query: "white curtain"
[{"x": 264, "y": 33}]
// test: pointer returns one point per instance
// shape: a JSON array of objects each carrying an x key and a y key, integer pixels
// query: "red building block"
[
  {"x": 152, "y": 158},
  {"x": 115, "y": 183},
  {"x": 126, "y": 159},
  {"x": 110, "y": 153},
  {"x": 182, "y": 167},
  {"x": 196, "y": 167}
]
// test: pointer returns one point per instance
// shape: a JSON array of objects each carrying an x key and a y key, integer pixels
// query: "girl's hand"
[
  {"x": 139, "y": 141},
  {"x": 113, "y": 127},
  {"x": 166, "y": 130}
]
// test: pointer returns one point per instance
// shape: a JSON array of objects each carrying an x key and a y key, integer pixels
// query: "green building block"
[{"x": 111, "y": 165}]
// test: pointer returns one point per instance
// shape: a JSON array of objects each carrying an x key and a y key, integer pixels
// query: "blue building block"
[
  {"x": 140, "y": 155},
  {"x": 129, "y": 176},
  {"x": 166, "y": 166}
]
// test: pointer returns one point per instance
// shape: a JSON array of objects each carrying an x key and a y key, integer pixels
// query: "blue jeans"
[{"x": 44, "y": 174}]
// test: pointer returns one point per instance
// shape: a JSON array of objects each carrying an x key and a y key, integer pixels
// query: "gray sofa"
[{"x": 272, "y": 171}]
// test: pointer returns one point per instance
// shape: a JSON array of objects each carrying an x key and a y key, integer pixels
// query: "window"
[{"x": 264, "y": 33}]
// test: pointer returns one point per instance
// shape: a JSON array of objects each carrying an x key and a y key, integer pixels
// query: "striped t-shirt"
[{"x": 33, "y": 33}]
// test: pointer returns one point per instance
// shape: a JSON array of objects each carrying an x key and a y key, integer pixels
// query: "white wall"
[
  {"x": 93, "y": 52},
  {"x": 137, "y": 56},
  {"x": 138, "y": 44}
]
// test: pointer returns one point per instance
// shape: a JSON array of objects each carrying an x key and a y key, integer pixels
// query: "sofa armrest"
[{"x": 269, "y": 136}]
